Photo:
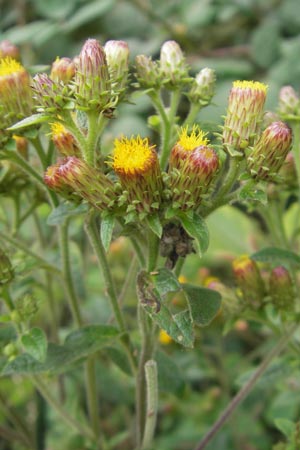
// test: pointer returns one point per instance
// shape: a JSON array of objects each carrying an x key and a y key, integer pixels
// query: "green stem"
[
  {"x": 36, "y": 142},
  {"x": 191, "y": 117},
  {"x": 67, "y": 274},
  {"x": 152, "y": 403},
  {"x": 92, "y": 138},
  {"x": 138, "y": 251},
  {"x": 68, "y": 122},
  {"x": 168, "y": 128},
  {"x": 63, "y": 414},
  {"x": 244, "y": 391},
  {"x": 296, "y": 149},
  {"x": 92, "y": 398},
  {"x": 153, "y": 248},
  {"x": 94, "y": 238},
  {"x": 179, "y": 265}
]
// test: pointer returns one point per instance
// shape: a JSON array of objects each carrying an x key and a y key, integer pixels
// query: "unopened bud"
[
  {"x": 289, "y": 102},
  {"x": 281, "y": 289},
  {"x": 64, "y": 140},
  {"x": 50, "y": 95},
  {"x": 22, "y": 146},
  {"x": 7, "y": 48},
  {"x": 249, "y": 280},
  {"x": 63, "y": 69},
  {"x": 244, "y": 114},
  {"x": 147, "y": 72},
  {"x": 92, "y": 80},
  {"x": 203, "y": 87},
  {"x": 172, "y": 63},
  {"x": 270, "y": 151},
  {"x": 117, "y": 55}
]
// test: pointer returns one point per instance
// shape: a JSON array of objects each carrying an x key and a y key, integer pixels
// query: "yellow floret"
[
  {"x": 189, "y": 141},
  {"x": 164, "y": 338},
  {"x": 57, "y": 129},
  {"x": 255, "y": 85},
  {"x": 9, "y": 66},
  {"x": 132, "y": 155}
]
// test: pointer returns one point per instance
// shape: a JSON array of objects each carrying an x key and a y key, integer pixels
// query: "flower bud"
[
  {"x": 249, "y": 280},
  {"x": 9, "y": 49},
  {"x": 64, "y": 140},
  {"x": 244, "y": 114},
  {"x": 172, "y": 63},
  {"x": 92, "y": 79},
  {"x": 50, "y": 96},
  {"x": 289, "y": 102},
  {"x": 74, "y": 176},
  {"x": 15, "y": 92},
  {"x": 203, "y": 87},
  {"x": 117, "y": 55},
  {"x": 281, "y": 289},
  {"x": 6, "y": 270},
  {"x": 63, "y": 69},
  {"x": 22, "y": 145},
  {"x": 270, "y": 151},
  {"x": 192, "y": 167},
  {"x": 147, "y": 72},
  {"x": 137, "y": 166}
]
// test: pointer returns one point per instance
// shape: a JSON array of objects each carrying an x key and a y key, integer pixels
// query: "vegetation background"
[{"x": 240, "y": 39}]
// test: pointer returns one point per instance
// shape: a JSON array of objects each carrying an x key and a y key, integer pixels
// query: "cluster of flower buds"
[
  {"x": 193, "y": 165},
  {"x": 270, "y": 151},
  {"x": 74, "y": 179},
  {"x": 244, "y": 115}
]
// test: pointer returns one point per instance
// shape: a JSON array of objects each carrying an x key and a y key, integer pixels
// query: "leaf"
[
  {"x": 170, "y": 378},
  {"x": 165, "y": 281},
  {"x": 204, "y": 303},
  {"x": 31, "y": 120},
  {"x": 87, "y": 13},
  {"x": 251, "y": 193},
  {"x": 265, "y": 45},
  {"x": 196, "y": 227},
  {"x": 178, "y": 326},
  {"x": 154, "y": 224},
  {"x": 35, "y": 343},
  {"x": 79, "y": 344},
  {"x": 287, "y": 427},
  {"x": 63, "y": 211},
  {"x": 106, "y": 230},
  {"x": 120, "y": 359},
  {"x": 278, "y": 370},
  {"x": 276, "y": 256}
]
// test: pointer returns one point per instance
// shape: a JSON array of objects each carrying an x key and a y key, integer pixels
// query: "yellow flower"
[
  {"x": 189, "y": 141},
  {"x": 133, "y": 156},
  {"x": 64, "y": 140},
  {"x": 164, "y": 338}
]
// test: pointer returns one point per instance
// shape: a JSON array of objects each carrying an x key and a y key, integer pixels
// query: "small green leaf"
[
  {"x": 79, "y": 344},
  {"x": 276, "y": 256},
  {"x": 63, "y": 211},
  {"x": 287, "y": 427},
  {"x": 35, "y": 343},
  {"x": 170, "y": 378},
  {"x": 31, "y": 120},
  {"x": 154, "y": 224},
  {"x": 106, "y": 230},
  {"x": 196, "y": 227},
  {"x": 204, "y": 303},
  {"x": 251, "y": 193},
  {"x": 165, "y": 281}
]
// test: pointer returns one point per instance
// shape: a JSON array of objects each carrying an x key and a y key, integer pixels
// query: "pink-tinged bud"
[
  {"x": 9, "y": 49},
  {"x": 249, "y": 280},
  {"x": 244, "y": 114},
  {"x": 74, "y": 176},
  {"x": 136, "y": 163},
  {"x": 289, "y": 102},
  {"x": 172, "y": 63},
  {"x": 15, "y": 92},
  {"x": 49, "y": 95},
  {"x": 147, "y": 72},
  {"x": 64, "y": 140},
  {"x": 6, "y": 269},
  {"x": 270, "y": 151},
  {"x": 63, "y": 69},
  {"x": 193, "y": 166},
  {"x": 203, "y": 87},
  {"x": 92, "y": 80},
  {"x": 281, "y": 289},
  {"x": 117, "y": 55}
]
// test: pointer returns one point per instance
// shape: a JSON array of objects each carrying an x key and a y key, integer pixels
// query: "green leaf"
[
  {"x": 165, "y": 281},
  {"x": 87, "y": 13},
  {"x": 251, "y": 193},
  {"x": 178, "y": 326},
  {"x": 265, "y": 45},
  {"x": 31, "y": 120},
  {"x": 79, "y": 344},
  {"x": 154, "y": 224},
  {"x": 204, "y": 303},
  {"x": 170, "y": 378},
  {"x": 287, "y": 427},
  {"x": 276, "y": 256},
  {"x": 120, "y": 359},
  {"x": 35, "y": 343},
  {"x": 65, "y": 210},
  {"x": 106, "y": 230},
  {"x": 196, "y": 227}
]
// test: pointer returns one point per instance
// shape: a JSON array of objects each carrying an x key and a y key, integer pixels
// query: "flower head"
[
  {"x": 92, "y": 80},
  {"x": 249, "y": 280},
  {"x": 147, "y": 72},
  {"x": 270, "y": 151},
  {"x": 63, "y": 69},
  {"x": 64, "y": 140},
  {"x": 244, "y": 114},
  {"x": 172, "y": 63},
  {"x": 136, "y": 164},
  {"x": 203, "y": 87},
  {"x": 117, "y": 55}
]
